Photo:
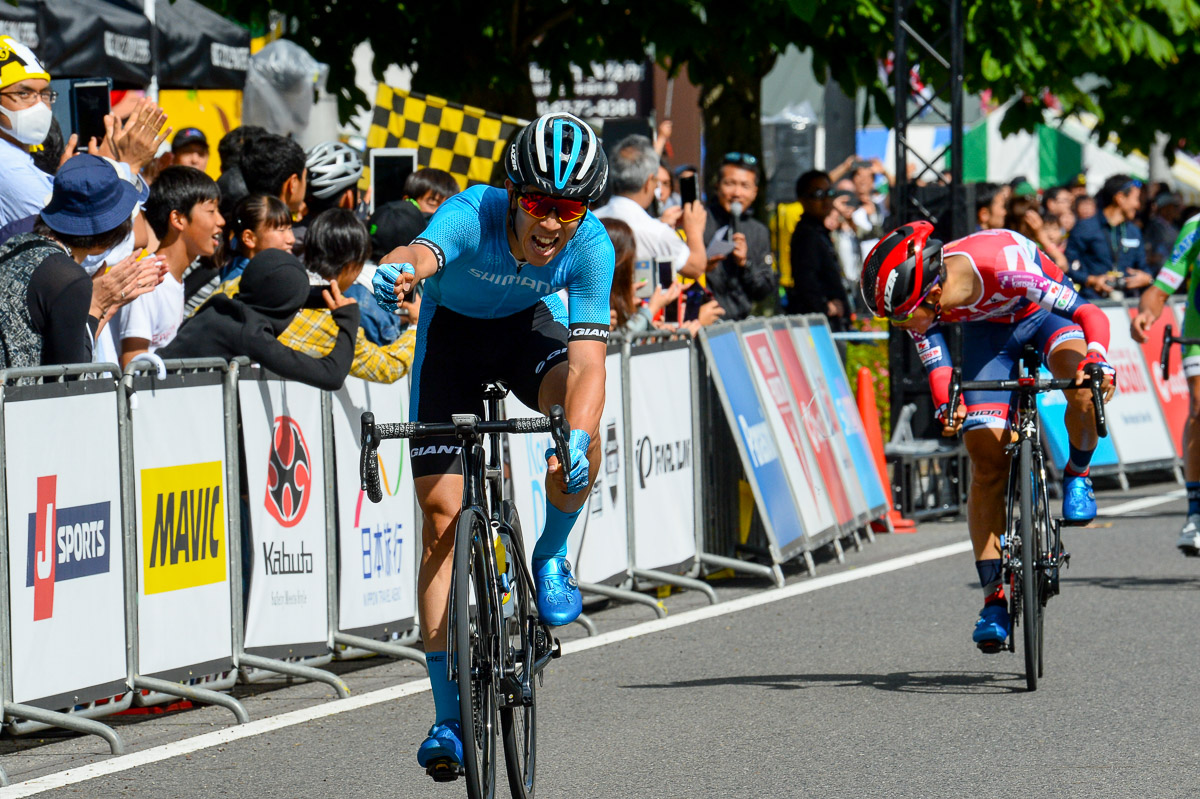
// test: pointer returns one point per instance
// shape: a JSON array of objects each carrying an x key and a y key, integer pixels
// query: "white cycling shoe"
[{"x": 1189, "y": 536}]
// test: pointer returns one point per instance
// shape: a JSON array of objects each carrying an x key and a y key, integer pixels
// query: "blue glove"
[
  {"x": 384, "y": 283},
  {"x": 578, "y": 445}
]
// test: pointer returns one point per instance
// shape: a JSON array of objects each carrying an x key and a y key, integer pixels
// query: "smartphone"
[
  {"x": 91, "y": 101},
  {"x": 695, "y": 296},
  {"x": 687, "y": 189},
  {"x": 643, "y": 279},
  {"x": 390, "y": 167},
  {"x": 666, "y": 275}
]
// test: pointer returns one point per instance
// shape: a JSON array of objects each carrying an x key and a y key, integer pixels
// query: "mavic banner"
[
  {"x": 663, "y": 458},
  {"x": 598, "y": 546},
  {"x": 377, "y": 543},
  {"x": 182, "y": 540},
  {"x": 285, "y": 477},
  {"x": 1135, "y": 420},
  {"x": 804, "y": 474},
  {"x": 65, "y": 556},
  {"x": 756, "y": 444},
  {"x": 825, "y": 434}
]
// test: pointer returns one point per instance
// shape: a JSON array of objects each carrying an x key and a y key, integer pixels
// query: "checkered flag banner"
[{"x": 465, "y": 141}]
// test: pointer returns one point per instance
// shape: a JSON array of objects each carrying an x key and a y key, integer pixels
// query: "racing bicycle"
[
  {"x": 497, "y": 646},
  {"x": 1032, "y": 553}
]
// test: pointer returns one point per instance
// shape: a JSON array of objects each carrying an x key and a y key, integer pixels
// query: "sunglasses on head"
[
  {"x": 740, "y": 158},
  {"x": 539, "y": 206},
  {"x": 1132, "y": 184}
]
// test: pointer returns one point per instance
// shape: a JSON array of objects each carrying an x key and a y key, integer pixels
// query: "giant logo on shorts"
[
  {"x": 183, "y": 527},
  {"x": 64, "y": 544},
  {"x": 289, "y": 473}
]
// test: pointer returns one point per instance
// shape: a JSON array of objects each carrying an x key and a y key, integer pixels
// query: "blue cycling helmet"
[{"x": 558, "y": 154}]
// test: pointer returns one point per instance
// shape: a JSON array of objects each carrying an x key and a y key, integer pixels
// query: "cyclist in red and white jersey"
[{"x": 1006, "y": 293}]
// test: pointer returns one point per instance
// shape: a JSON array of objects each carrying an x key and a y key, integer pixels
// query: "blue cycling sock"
[
  {"x": 553, "y": 541},
  {"x": 445, "y": 693},
  {"x": 991, "y": 580},
  {"x": 1078, "y": 460},
  {"x": 1193, "y": 495}
]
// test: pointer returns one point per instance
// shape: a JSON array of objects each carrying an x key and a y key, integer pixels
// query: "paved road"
[{"x": 866, "y": 688}]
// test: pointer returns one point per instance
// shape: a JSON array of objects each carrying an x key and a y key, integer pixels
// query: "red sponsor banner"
[
  {"x": 1172, "y": 392},
  {"x": 44, "y": 551},
  {"x": 818, "y": 436}
]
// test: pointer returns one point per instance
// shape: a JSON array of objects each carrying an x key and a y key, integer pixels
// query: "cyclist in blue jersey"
[{"x": 493, "y": 260}]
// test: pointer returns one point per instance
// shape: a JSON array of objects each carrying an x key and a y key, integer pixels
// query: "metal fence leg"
[
  {"x": 67, "y": 722},
  {"x": 587, "y": 624},
  {"x": 856, "y": 540},
  {"x": 296, "y": 670},
  {"x": 866, "y": 528},
  {"x": 4, "y": 780},
  {"x": 625, "y": 596},
  {"x": 388, "y": 648},
  {"x": 772, "y": 573},
  {"x": 679, "y": 580},
  {"x": 837, "y": 550},
  {"x": 810, "y": 564},
  {"x": 192, "y": 692}
]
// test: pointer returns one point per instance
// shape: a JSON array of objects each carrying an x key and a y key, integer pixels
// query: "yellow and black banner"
[{"x": 463, "y": 140}]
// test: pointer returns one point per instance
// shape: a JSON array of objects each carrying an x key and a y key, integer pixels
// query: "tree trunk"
[{"x": 732, "y": 111}]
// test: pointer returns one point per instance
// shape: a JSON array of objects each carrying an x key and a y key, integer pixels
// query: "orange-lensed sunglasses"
[{"x": 539, "y": 206}]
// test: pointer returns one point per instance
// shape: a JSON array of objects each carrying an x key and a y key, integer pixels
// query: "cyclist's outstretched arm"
[
  {"x": 1170, "y": 277},
  {"x": 425, "y": 264},
  {"x": 585, "y": 385},
  {"x": 935, "y": 357}
]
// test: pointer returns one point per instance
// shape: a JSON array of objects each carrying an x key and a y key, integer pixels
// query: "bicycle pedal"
[
  {"x": 443, "y": 769},
  {"x": 555, "y": 648},
  {"x": 990, "y": 647}
]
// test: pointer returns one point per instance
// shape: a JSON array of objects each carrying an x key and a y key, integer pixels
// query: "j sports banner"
[
  {"x": 182, "y": 539},
  {"x": 465, "y": 141},
  {"x": 377, "y": 543},
  {"x": 285, "y": 476},
  {"x": 65, "y": 561},
  {"x": 760, "y": 454}
]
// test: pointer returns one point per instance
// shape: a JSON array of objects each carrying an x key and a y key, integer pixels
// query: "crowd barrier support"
[
  {"x": 191, "y": 583},
  {"x": 50, "y": 697}
]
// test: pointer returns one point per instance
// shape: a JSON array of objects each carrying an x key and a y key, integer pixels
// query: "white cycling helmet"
[{"x": 333, "y": 167}]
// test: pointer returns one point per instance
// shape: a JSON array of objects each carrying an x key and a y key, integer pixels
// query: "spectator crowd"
[{"x": 123, "y": 248}]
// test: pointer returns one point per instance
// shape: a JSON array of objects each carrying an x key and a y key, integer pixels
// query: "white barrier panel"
[
  {"x": 807, "y": 484},
  {"x": 598, "y": 546},
  {"x": 376, "y": 542},
  {"x": 182, "y": 544},
  {"x": 663, "y": 457},
  {"x": 65, "y": 557},
  {"x": 1135, "y": 419},
  {"x": 285, "y": 477}
]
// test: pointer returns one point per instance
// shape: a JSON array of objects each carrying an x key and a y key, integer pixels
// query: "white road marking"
[
  {"x": 146, "y": 757},
  {"x": 1142, "y": 504}
]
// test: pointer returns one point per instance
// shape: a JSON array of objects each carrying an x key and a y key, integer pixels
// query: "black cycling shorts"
[{"x": 456, "y": 355}]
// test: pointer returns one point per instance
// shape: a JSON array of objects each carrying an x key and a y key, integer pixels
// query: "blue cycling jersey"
[{"x": 479, "y": 277}]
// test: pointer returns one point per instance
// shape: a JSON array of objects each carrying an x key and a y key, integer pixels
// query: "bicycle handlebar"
[
  {"x": 465, "y": 426},
  {"x": 1169, "y": 338},
  {"x": 1026, "y": 385}
]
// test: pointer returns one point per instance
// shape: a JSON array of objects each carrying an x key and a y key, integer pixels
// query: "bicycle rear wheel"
[
  {"x": 518, "y": 718},
  {"x": 475, "y": 639},
  {"x": 1030, "y": 595}
]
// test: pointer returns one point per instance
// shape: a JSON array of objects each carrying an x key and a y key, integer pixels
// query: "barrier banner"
[
  {"x": 756, "y": 444},
  {"x": 285, "y": 477},
  {"x": 65, "y": 556},
  {"x": 815, "y": 343},
  {"x": 1135, "y": 420},
  {"x": 598, "y": 546},
  {"x": 799, "y": 463},
  {"x": 377, "y": 543},
  {"x": 664, "y": 489},
  {"x": 825, "y": 434},
  {"x": 1172, "y": 393},
  {"x": 182, "y": 544}
]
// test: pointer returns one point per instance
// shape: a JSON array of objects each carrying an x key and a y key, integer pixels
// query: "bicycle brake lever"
[
  {"x": 560, "y": 430},
  {"x": 1093, "y": 371},
  {"x": 1164, "y": 359},
  {"x": 368, "y": 467}
]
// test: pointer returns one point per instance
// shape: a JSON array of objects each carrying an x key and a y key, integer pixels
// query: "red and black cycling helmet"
[{"x": 900, "y": 270}]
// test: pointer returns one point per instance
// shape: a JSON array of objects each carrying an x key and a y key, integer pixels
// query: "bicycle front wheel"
[
  {"x": 1031, "y": 605},
  {"x": 474, "y": 628},
  {"x": 518, "y": 716}
]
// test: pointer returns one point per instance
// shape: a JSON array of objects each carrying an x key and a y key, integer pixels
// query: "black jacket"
[
  {"x": 816, "y": 272},
  {"x": 737, "y": 288},
  {"x": 273, "y": 288}
]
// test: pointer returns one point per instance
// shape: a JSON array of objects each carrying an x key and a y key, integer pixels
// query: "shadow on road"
[
  {"x": 1133, "y": 583},
  {"x": 920, "y": 682}
]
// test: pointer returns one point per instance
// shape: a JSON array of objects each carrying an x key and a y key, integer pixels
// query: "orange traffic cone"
[{"x": 870, "y": 418}]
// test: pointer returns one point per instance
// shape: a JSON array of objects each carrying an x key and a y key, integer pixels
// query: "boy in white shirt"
[{"x": 182, "y": 211}]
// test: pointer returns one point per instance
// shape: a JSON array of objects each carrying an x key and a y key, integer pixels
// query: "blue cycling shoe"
[
  {"x": 558, "y": 599},
  {"x": 441, "y": 754},
  {"x": 1079, "y": 503},
  {"x": 991, "y": 631}
]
